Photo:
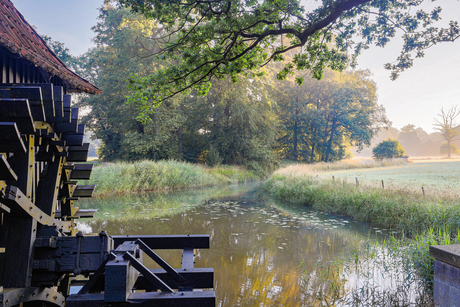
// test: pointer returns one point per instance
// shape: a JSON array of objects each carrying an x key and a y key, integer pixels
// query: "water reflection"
[{"x": 256, "y": 248}]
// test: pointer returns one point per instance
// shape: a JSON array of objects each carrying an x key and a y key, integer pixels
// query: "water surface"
[{"x": 259, "y": 251}]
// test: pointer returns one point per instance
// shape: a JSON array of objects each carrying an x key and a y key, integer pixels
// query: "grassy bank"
[
  {"x": 402, "y": 209},
  {"x": 122, "y": 178}
]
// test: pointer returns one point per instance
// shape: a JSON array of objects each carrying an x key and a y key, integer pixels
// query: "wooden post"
[
  {"x": 357, "y": 182},
  {"x": 333, "y": 178},
  {"x": 423, "y": 191},
  {"x": 383, "y": 185}
]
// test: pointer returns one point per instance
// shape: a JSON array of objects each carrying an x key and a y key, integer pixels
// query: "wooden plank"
[
  {"x": 58, "y": 93},
  {"x": 10, "y": 139},
  {"x": 187, "y": 258},
  {"x": 82, "y": 213},
  {"x": 82, "y": 171},
  {"x": 120, "y": 276},
  {"x": 47, "y": 190},
  {"x": 18, "y": 111},
  {"x": 67, "y": 101},
  {"x": 6, "y": 172},
  {"x": 148, "y": 299},
  {"x": 73, "y": 139},
  {"x": 78, "y": 153},
  {"x": 88, "y": 244},
  {"x": 47, "y": 95},
  {"x": 84, "y": 147},
  {"x": 18, "y": 235},
  {"x": 84, "y": 191},
  {"x": 34, "y": 95},
  {"x": 77, "y": 156},
  {"x": 166, "y": 241}
]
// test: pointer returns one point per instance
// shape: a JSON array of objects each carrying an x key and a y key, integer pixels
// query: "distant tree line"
[{"x": 417, "y": 142}]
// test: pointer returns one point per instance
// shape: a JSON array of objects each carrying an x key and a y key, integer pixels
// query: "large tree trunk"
[
  {"x": 329, "y": 143},
  {"x": 179, "y": 135}
]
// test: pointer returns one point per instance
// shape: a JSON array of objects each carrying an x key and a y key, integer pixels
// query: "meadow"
[{"x": 434, "y": 175}]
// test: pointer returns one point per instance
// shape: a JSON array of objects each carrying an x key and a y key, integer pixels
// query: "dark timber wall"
[{"x": 15, "y": 69}]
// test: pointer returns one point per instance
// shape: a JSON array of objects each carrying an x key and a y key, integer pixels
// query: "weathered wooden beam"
[
  {"x": 71, "y": 127},
  {"x": 47, "y": 95},
  {"x": 78, "y": 153},
  {"x": 18, "y": 111},
  {"x": 10, "y": 139},
  {"x": 167, "y": 241},
  {"x": 48, "y": 187},
  {"x": 81, "y": 213},
  {"x": 82, "y": 171},
  {"x": 34, "y": 95},
  {"x": 79, "y": 255},
  {"x": 84, "y": 191},
  {"x": 75, "y": 139},
  {"x": 148, "y": 299},
  {"x": 120, "y": 276}
]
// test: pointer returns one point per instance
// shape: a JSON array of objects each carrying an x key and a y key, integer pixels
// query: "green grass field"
[{"x": 430, "y": 174}]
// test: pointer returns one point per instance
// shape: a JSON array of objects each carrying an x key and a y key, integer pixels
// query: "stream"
[{"x": 259, "y": 251}]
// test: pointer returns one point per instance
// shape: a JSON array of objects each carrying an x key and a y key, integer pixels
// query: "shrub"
[{"x": 388, "y": 149}]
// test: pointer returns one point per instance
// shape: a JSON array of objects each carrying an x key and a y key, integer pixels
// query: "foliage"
[
  {"x": 446, "y": 125},
  {"x": 62, "y": 52},
  {"x": 418, "y": 255},
  {"x": 213, "y": 158},
  {"x": 120, "y": 178},
  {"x": 368, "y": 274},
  {"x": 240, "y": 128},
  {"x": 222, "y": 38},
  {"x": 449, "y": 149},
  {"x": 388, "y": 149},
  {"x": 322, "y": 119}
]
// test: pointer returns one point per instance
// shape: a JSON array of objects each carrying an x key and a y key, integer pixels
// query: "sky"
[{"x": 416, "y": 97}]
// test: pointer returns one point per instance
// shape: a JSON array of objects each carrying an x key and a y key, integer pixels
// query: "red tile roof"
[{"x": 18, "y": 36}]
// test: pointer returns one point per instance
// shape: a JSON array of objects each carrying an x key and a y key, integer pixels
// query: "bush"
[{"x": 388, "y": 149}]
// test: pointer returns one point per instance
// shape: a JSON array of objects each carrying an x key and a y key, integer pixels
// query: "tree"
[
  {"x": 219, "y": 38},
  {"x": 446, "y": 126},
  {"x": 62, "y": 52},
  {"x": 388, "y": 149},
  {"x": 322, "y": 119},
  {"x": 410, "y": 140},
  {"x": 123, "y": 39}
]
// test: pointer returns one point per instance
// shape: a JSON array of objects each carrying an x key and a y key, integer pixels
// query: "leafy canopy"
[{"x": 219, "y": 38}]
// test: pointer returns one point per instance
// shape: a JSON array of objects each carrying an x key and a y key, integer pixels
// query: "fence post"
[
  {"x": 333, "y": 178},
  {"x": 357, "y": 182},
  {"x": 383, "y": 186},
  {"x": 423, "y": 191}
]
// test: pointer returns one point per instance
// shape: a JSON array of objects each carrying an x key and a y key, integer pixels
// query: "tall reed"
[{"x": 123, "y": 177}]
